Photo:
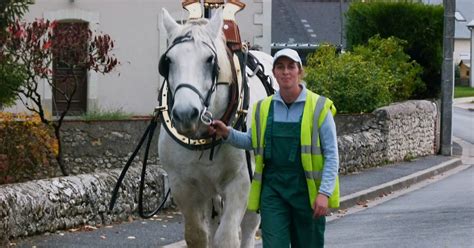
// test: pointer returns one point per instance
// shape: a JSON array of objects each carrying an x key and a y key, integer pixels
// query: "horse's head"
[{"x": 191, "y": 65}]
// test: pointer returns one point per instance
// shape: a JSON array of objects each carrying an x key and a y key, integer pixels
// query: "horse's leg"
[
  {"x": 235, "y": 202},
  {"x": 249, "y": 227},
  {"x": 197, "y": 214},
  {"x": 216, "y": 214}
]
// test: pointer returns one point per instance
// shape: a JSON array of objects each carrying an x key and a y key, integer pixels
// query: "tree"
[
  {"x": 38, "y": 45},
  {"x": 420, "y": 25},
  {"x": 11, "y": 74}
]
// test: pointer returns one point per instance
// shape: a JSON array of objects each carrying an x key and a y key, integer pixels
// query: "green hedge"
[
  {"x": 420, "y": 25},
  {"x": 371, "y": 76}
]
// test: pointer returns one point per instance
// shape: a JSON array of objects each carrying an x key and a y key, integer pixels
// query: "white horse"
[{"x": 200, "y": 186}]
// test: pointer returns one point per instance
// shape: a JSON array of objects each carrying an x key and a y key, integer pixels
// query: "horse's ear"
[
  {"x": 215, "y": 25},
  {"x": 168, "y": 22}
]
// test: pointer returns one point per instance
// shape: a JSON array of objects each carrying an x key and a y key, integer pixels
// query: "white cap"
[{"x": 287, "y": 52}]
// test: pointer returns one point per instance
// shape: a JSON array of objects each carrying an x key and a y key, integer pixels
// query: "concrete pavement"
[{"x": 464, "y": 102}]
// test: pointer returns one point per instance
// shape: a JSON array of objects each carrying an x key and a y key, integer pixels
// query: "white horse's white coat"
[{"x": 196, "y": 182}]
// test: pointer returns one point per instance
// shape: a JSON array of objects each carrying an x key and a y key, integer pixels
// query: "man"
[{"x": 293, "y": 136}]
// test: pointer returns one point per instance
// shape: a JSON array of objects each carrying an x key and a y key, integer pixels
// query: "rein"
[{"x": 238, "y": 111}]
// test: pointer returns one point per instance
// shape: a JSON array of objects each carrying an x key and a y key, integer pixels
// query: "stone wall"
[
  {"x": 393, "y": 133},
  {"x": 94, "y": 146},
  {"x": 409, "y": 129},
  {"x": 62, "y": 203}
]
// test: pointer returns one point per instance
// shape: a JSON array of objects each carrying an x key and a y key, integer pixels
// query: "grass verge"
[
  {"x": 117, "y": 114},
  {"x": 463, "y": 91}
]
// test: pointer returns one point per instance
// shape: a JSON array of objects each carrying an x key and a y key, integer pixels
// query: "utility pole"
[
  {"x": 447, "y": 83},
  {"x": 341, "y": 15}
]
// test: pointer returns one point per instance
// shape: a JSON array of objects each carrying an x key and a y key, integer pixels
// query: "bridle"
[
  {"x": 164, "y": 71},
  {"x": 234, "y": 115}
]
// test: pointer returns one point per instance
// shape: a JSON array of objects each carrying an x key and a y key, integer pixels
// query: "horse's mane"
[{"x": 197, "y": 29}]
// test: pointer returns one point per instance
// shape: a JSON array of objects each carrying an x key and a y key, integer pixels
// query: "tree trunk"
[{"x": 59, "y": 157}]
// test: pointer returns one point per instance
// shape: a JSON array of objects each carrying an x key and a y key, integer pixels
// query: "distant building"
[
  {"x": 462, "y": 36},
  {"x": 464, "y": 72}
]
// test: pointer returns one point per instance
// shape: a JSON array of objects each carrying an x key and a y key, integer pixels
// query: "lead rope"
[{"x": 150, "y": 130}]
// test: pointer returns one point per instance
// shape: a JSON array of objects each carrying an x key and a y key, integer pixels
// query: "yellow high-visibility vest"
[{"x": 315, "y": 110}]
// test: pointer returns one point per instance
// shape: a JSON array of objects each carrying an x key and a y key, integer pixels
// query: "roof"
[
  {"x": 307, "y": 22},
  {"x": 464, "y": 9},
  {"x": 465, "y": 62},
  {"x": 311, "y": 22}
]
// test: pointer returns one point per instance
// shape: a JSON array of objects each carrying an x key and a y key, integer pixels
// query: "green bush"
[
  {"x": 369, "y": 77},
  {"x": 420, "y": 25},
  {"x": 11, "y": 77},
  {"x": 389, "y": 55}
]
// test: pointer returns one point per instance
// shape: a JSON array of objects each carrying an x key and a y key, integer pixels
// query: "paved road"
[
  {"x": 165, "y": 228},
  {"x": 463, "y": 124},
  {"x": 438, "y": 215}
]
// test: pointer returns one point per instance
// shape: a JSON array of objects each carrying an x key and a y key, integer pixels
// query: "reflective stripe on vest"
[
  {"x": 259, "y": 119},
  {"x": 315, "y": 110}
]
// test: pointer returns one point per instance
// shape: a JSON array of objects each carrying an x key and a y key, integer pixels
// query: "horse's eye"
[{"x": 210, "y": 60}]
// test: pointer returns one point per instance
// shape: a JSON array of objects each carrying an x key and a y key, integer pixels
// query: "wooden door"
[{"x": 69, "y": 73}]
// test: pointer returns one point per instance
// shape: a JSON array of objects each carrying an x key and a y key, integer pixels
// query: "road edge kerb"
[{"x": 397, "y": 184}]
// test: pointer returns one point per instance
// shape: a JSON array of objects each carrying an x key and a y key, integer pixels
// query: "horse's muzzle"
[{"x": 186, "y": 121}]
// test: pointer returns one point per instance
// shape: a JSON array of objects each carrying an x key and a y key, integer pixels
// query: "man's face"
[{"x": 286, "y": 72}]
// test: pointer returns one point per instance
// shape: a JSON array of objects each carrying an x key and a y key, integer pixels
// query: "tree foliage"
[
  {"x": 420, "y": 25},
  {"x": 11, "y": 74},
  {"x": 367, "y": 78}
]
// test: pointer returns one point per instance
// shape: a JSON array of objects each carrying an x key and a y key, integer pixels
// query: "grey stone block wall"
[
  {"x": 393, "y": 133},
  {"x": 62, "y": 203},
  {"x": 410, "y": 129},
  {"x": 94, "y": 146}
]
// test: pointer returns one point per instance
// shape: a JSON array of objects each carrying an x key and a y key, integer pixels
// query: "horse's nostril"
[
  {"x": 194, "y": 113},
  {"x": 185, "y": 116}
]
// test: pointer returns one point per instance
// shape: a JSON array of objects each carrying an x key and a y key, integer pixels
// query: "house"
[
  {"x": 135, "y": 27},
  {"x": 462, "y": 36}
]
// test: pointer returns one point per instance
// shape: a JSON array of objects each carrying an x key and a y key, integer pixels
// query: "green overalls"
[{"x": 286, "y": 213}]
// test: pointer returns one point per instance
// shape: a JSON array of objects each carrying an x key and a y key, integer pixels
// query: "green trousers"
[{"x": 287, "y": 216}]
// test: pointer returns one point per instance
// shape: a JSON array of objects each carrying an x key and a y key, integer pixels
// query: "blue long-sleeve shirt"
[{"x": 328, "y": 138}]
